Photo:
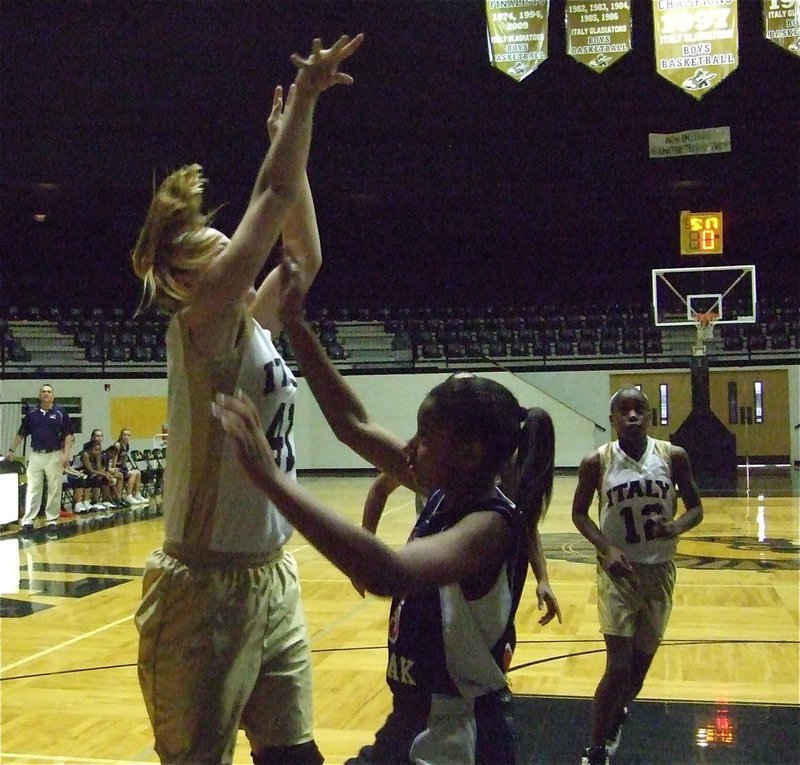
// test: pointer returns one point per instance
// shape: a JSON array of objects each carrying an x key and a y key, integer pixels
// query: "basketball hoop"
[{"x": 704, "y": 321}]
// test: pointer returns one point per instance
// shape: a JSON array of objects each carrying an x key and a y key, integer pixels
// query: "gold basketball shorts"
[{"x": 222, "y": 648}]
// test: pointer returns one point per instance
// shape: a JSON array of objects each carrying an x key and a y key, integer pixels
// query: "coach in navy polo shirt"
[{"x": 52, "y": 439}]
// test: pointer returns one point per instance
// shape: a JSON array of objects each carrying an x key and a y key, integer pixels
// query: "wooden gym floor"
[{"x": 724, "y": 688}]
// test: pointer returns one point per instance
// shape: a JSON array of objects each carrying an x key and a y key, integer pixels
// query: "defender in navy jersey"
[
  {"x": 636, "y": 480},
  {"x": 457, "y": 583},
  {"x": 222, "y": 634}
]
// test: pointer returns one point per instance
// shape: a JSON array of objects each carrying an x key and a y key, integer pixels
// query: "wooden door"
[{"x": 752, "y": 403}]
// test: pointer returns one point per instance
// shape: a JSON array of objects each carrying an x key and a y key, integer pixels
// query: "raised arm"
[
  {"x": 278, "y": 188},
  {"x": 474, "y": 546},
  {"x": 341, "y": 407},
  {"x": 300, "y": 236}
]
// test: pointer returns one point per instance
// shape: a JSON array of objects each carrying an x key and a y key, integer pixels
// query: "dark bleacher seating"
[
  {"x": 94, "y": 353},
  {"x": 733, "y": 343},
  {"x": 118, "y": 352},
  {"x": 455, "y": 350},
  {"x": 540, "y": 348},
  {"x": 473, "y": 349},
  {"x": 19, "y": 354},
  {"x": 609, "y": 333},
  {"x": 563, "y": 348},
  {"x": 608, "y": 347},
  {"x": 653, "y": 345},
  {"x": 142, "y": 353},
  {"x": 497, "y": 348},
  {"x": 430, "y": 350},
  {"x": 568, "y": 335},
  {"x": 336, "y": 351},
  {"x": 632, "y": 345},
  {"x": 401, "y": 341},
  {"x": 458, "y": 332},
  {"x": 780, "y": 342}
]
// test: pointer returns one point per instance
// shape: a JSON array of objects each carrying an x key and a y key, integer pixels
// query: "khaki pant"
[{"x": 43, "y": 465}]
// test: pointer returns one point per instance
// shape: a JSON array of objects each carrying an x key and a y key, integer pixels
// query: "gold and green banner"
[
  {"x": 696, "y": 42},
  {"x": 782, "y": 23},
  {"x": 598, "y": 34},
  {"x": 516, "y": 32}
]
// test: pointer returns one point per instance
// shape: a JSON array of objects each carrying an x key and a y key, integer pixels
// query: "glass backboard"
[{"x": 679, "y": 294}]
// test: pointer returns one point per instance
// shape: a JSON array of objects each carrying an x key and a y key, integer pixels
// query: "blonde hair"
[{"x": 175, "y": 237}]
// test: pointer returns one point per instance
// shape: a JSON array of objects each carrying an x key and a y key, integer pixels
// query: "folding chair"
[
  {"x": 154, "y": 464},
  {"x": 148, "y": 473}
]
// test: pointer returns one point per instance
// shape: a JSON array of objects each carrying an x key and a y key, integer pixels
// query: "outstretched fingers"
[
  {"x": 319, "y": 70},
  {"x": 276, "y": 113},
  {"x": 239, "y": 419}
]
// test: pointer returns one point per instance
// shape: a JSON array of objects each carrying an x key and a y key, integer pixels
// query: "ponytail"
[
  {"x": 535, "y": 465},
  {"x": 175, "y": 236}
]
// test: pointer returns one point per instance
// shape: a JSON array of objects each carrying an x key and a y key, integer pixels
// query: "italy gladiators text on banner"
[
  {"x": 696, "y": 42},
  {"x": 516, "y": 32}
]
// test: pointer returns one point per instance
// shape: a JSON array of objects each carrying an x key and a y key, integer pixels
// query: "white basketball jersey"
[
  {"x": 209, "y": 502},
  {"x": 632, "y": 495}
]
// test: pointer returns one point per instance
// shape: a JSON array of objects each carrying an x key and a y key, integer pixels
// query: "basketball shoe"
[
  {"x": 614, "y": 736},
  {"x": 595, "y": 755}
]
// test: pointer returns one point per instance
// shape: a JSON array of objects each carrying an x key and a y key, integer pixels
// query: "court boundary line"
[{"x": 64, "y": 644}]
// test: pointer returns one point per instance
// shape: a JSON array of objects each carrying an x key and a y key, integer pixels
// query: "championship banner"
[
  {"x": 598, "y": 34},
  {"x": 696, "y": 41},
  {"x": 782, "y": 23},
  {"x": 516, "y": 32}
]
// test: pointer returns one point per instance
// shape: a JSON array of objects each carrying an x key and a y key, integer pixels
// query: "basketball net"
[{"x": 704, "y": 321}]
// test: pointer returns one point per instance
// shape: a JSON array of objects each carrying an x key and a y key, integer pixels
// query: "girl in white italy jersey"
[
  {"x": 222, "y": 634},
  {"x": 635, "y": 479}
]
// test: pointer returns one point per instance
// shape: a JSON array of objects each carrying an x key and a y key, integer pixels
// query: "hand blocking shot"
[{"x": 456, "y": 584}]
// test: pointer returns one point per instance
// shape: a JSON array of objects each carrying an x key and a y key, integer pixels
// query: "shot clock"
[{"x": 701, "y": 233}]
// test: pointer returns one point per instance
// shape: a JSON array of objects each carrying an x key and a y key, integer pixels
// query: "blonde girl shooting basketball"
[{"x": 222, "y": 634}]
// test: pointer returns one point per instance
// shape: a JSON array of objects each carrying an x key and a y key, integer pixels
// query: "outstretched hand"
[
  {"x": 320, "y": 71},
  {"x": 240, "y": 420}
]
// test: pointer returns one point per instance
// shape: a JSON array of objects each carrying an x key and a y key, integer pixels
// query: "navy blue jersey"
[
  {"x": 47, "y": 428},
  {"x": 442, "y": 643}
]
